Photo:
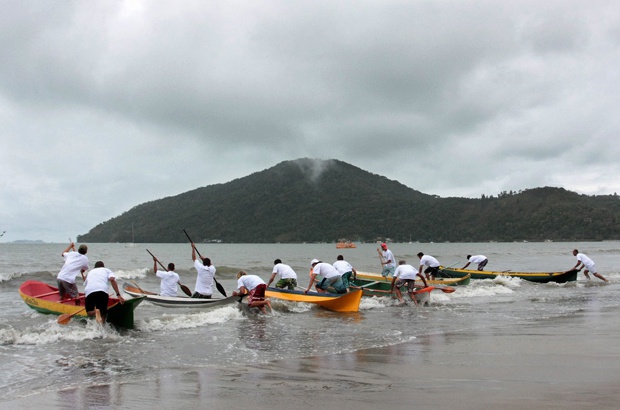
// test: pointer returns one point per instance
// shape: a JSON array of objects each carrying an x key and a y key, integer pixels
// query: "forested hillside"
[{"x": 310, "y": 200}]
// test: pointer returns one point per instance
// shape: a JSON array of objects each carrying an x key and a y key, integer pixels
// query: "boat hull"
[
  {"x": 178, "y": 301},
  {"x": 45, "y": 298},
  {"x": 364, "y": 278},
  {"x": 347, "y": 302},
  {"x": 540, "y": 277}
]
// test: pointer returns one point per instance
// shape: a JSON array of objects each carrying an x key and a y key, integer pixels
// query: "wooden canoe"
[
  {"x": 45, "y": 298},
  {"x": 178, "y": 301},
  {"x": 365, "y": 277},
  {"x": 540, "y": 277},
  {"x": 346, "y": 302}
]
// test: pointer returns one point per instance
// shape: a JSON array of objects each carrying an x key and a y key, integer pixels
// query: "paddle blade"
[
  {"x": 446, "y": 289},
  {"x": 220, "y": 288},
  {"x": 186, "y": 290},
  {"x": 64, "y": 318}
]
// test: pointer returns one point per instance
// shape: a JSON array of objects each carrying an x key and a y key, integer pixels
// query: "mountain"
[{"x": 308, "y": 200}]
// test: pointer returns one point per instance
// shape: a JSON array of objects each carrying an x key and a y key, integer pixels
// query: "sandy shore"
[{"x": 566, "y": 363}]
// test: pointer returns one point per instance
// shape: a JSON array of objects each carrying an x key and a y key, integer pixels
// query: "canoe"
[
  {"x": 346, "y": 302},
  {"x": 45, "y": 298},
  {"x": 365, "y": 277},
  {"x": 178, "y": 301},
  {"x": 540, "y": 277}
]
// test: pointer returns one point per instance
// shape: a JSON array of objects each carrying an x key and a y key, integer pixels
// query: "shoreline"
[{"x": 564, "y": 363}]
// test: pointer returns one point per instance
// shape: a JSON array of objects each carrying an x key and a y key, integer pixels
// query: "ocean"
[{"x": 181, "y": 355}]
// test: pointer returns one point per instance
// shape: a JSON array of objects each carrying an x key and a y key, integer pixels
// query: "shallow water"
[{"x": 38, "y": 355}]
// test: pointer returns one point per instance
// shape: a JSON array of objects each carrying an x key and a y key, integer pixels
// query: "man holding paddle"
[
  {"x": 387, "y": 260},
  {"x": 75, "y": 263},
  {"x": 169, "y": 279},
  {"x": 204, "y": 280}
]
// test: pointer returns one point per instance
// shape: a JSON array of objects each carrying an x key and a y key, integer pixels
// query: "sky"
[{"x": 105, "y": 105}]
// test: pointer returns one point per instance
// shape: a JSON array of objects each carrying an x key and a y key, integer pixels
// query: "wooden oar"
[
  {"x": 184, "y": 288},
  {"x": 65, "y": 318},
  {"x": 219, "y": 287}
]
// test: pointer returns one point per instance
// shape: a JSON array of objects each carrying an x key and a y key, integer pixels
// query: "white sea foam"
[
  {"x": 191, "y": 320},
  {"x": 5, "y": 277},
  {"x": 131, "y": 274},
  {"x": 51, "y": 332}
]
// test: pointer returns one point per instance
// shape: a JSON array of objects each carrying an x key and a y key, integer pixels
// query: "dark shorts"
[
  {"x": 97, "y": 300},
  {"x": 67, "y": 290},
  {"x": 483, "y": 264},
  {"x": 432, "y": 270},
  {"x": 197, "y": 295},
  {"x": 287, "y": 283},
  {"x": 257, "y": 294}
]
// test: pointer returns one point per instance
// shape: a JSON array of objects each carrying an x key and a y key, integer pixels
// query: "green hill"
[{"x": 310, "y": 200}]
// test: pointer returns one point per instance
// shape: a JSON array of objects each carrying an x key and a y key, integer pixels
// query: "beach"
[{"x": 565, "y": 363}]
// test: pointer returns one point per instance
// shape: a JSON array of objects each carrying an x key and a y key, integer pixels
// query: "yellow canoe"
[{"x": 346, "y": 302}]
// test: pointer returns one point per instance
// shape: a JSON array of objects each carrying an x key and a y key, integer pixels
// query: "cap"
[
  {"x": 384, "y": 245},
  {"x": 314, "y": 261}
]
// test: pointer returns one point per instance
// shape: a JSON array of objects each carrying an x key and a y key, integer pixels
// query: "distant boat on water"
[{"x": 345, "y": 244}]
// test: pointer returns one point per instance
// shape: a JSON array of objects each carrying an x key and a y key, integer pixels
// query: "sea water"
[{"x": 39, "y": 355}]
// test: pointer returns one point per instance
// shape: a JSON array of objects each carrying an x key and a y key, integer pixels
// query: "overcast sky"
[{"x": 105, "y": 105}]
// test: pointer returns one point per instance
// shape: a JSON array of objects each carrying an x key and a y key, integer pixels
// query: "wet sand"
[{"x": 565, "y": 363}]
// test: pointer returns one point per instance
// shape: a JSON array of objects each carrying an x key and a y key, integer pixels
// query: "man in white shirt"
[
  {"x": 255, "y": 287},
  {"x": 347, "y": 271},
  {"x": 481, "y": 260},
  {"x": 405, "y": 275},
  {"x": 96, "y": 291},
  {"x": 587, "y": 263},
  {"x": 331, "y": 277},
  {"x": 204, "y": 280},
  {"x": 387, "y": 261},
  {"x": 75, "y": 263},
  {"x": 288, "y": 277},
  {"x": 432, "y": 265},
  {"x": 169, "y": 279}
]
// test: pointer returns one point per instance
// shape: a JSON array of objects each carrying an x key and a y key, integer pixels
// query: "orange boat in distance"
[{"x": 343, "y": 244}]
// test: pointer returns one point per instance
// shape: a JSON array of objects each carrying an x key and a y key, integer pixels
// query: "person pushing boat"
[
  {"x": 585, "y": 262},
  {"x": 347, "y": 272},
  {"x": 288, "y": 277},
  {"x": 96, "y": 291},
  {"x": 331, "y": 277},
  {"x": 481, "y": 260},
  {"x": 254, "y": 287},
  {"x": 405, "y": 275},
  {"x": 432, "y": 265}
]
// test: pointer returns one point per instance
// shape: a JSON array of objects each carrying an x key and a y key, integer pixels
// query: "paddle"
[
  {"x": 65, "y": 318},
  {"x": 219, "y": 287},
  {"x": 184, "y": 288},
  {"x": 446, "y": 267}
]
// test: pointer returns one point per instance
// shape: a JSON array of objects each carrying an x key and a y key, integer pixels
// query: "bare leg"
[
  {"x": 398, "y": 294},
  {"x": 585, "y": 272},
  {"x": 412, "y": 296},
  {"x": 598, "y": 275}
]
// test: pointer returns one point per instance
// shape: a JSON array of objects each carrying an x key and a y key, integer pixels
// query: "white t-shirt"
[
  {"x": 477, "y": 258},
  {"x": 325, "y": 270},
  {"x": 389, "y": 256},
  {"x": 97, "y": 280},
  {"x": 343, "y": 267},
  {"x": 405, "y": 272},
  {"x": 285, "y": 271},
  {"x": 74, "y": 263},
  {"x": 249, "y": 282},
  {"x": 169, "y": 280},
  {"x": 204, "y": 281},
  {"x": 429, "y": 261},
  {"x": 587, "y": 262}
]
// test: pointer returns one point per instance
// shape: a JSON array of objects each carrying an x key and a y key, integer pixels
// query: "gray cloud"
[{"x": 107, "y": 105}]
